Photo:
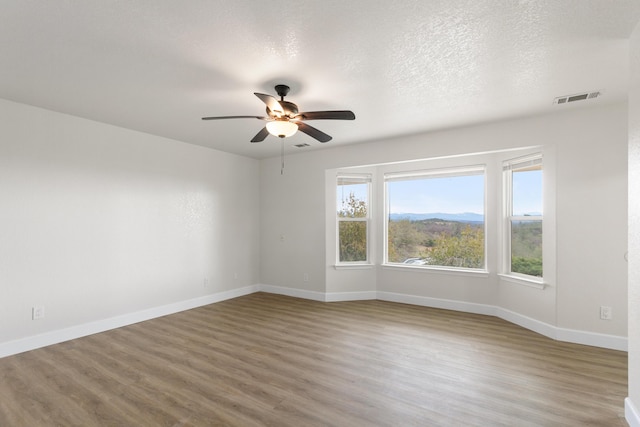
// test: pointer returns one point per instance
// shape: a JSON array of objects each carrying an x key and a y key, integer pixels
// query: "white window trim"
[
  {"x": 523, "y": 279},
  {"x": 362, "y": 178},
  {"x": 452, "y": 171},
  {"x": 508, "y": 166},
  {"x": 435, "y": 269},
  {"x": 354, "y": 266}
]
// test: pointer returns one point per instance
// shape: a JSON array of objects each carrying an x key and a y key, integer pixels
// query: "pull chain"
[{"x": 282, "y": 157}]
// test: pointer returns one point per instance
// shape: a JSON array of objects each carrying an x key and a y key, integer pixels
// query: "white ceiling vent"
[{"x": 577, "y": 97}]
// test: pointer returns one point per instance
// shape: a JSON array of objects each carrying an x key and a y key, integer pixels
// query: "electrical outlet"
[
  {"x": 306, "y": 277},
  {"x": 606, "y": 313},
  {"x": 37, "y": 312},
  {"x": 205, "y": 283}
]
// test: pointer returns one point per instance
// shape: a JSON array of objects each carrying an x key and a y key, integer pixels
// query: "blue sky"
[
  {"x": 458, "y": 194},
  {"x": 527, "y": 192},
  {"x": 447, "y": 195}
]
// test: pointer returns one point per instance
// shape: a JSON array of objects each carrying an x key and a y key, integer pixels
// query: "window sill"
[
  {"x": 532, "y": 283},
  {"x": 437, "y": 270},
  {"x": 353, "y": 266}
]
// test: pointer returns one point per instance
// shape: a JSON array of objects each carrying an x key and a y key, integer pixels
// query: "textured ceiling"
[{"x": 403, "y": 67}]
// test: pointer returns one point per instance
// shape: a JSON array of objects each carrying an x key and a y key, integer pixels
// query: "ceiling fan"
[{"x": 283, "y": 118}]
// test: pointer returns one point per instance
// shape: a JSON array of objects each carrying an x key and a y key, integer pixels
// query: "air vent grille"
[{"x": 576, "y": 97}]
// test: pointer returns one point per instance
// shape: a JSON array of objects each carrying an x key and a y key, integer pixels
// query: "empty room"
[{"x": 336, "y": 213}]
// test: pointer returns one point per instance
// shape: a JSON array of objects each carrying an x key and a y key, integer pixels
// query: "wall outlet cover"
[{"x": 37, "y": 312}]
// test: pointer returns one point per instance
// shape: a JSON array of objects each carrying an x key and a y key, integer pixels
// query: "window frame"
[
  {"x": 508, "y": 167},
  {"x": 356, "y": 178},
  {"x": 442, "y": 172}
]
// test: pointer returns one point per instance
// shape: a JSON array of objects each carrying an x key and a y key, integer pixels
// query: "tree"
[
  {"x": 463, "y": 250},
  {"x": 530, "y": 266},
  {"x": 526, "y": 247},
  {"x": 403, "y": 240}
]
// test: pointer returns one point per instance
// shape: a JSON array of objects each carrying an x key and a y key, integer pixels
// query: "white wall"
[
  {"x": 589, "y": 147},
  {"x": 98, "y": 222},
  {"x": 633, "y": 402},
  {"x": 591, "y": 225}
]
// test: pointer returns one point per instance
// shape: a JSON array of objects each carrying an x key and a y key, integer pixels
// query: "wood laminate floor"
[{"x": 269, "y": 360}]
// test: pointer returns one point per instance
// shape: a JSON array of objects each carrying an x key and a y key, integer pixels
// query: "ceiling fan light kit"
[
  {"x": 284, "y": 120},
  {"x": 282, "y": 128}
]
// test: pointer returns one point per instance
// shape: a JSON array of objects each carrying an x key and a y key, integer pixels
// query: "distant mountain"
[{"x": 460, "y": 217}]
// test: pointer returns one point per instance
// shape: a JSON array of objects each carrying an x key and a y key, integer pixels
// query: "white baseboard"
[
  {"x": 560, "y": 334},
  {"x": 292, "y": 292},
  {"x": 631, "y": 414},
  {"x": 319, "y": 296},
  {"x": 527, "y": 322},
  {"x": 594, "y": 339},
  {"x": 467, "y": 307},
  {"x": 579, "y": 337},
  {"x": 350, "y": 296},
  {"x": 54, "y": 337},
  {"x": 612, "y": 342}
]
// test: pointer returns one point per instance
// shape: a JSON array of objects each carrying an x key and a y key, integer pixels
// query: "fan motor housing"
[{"x": 290, "y": 109}]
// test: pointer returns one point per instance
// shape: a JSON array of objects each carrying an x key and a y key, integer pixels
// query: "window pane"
[
  {"x": 352, "y": 200},
  {"x": 353, "y": 240},
  {"x": 436, "y": 221},
  {"x": 527, "y": 191},
  {"x": 526, "y": 247}
]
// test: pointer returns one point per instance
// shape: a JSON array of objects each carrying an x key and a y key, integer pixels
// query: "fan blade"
[
  {"x": 235, "y": 117},
  {"x": 260, "y": 136},
  {"x": 327, "y": 115},
  {"x": 313, "y": 132},
  {"x": 271, "y": 102}
]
